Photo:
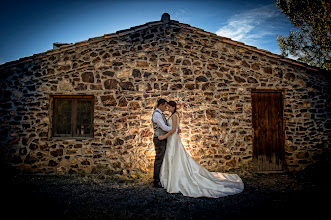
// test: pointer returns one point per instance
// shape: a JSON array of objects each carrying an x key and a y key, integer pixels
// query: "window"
[{"x": 73, "y": 116}]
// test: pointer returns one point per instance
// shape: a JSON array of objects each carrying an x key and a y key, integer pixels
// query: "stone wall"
[{"x": 210, "y": 77}]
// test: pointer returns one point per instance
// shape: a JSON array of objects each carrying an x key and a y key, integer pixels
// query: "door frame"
[{"x": 282, "y": 92}]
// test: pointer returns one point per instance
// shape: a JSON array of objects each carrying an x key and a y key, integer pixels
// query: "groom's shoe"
[{"x": 157, "y": 184}]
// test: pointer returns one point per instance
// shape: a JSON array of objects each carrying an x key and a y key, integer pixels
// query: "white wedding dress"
[{"x": 181, "y": 174}]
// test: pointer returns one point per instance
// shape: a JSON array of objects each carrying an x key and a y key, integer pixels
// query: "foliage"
[{"x": 311, "y": 43}]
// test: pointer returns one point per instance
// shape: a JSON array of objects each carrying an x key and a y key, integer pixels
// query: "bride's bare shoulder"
[{"x": 175, "y": 116}]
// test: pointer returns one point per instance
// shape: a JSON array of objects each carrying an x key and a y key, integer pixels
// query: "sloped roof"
[{"x": 150, "y": 25}]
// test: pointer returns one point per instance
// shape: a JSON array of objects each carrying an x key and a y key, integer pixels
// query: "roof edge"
[
  {"x": 252, "y": 48},
  {"x": 149, "y": 25}
]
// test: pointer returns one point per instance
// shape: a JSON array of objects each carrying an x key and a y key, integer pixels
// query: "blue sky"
[{"x": 32, "y": 26}]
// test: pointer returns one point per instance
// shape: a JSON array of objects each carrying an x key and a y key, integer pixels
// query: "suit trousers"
[{"x": 160, "y": 148}]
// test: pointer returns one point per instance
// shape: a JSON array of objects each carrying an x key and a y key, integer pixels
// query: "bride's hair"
[{"x": 173, "y": 104}]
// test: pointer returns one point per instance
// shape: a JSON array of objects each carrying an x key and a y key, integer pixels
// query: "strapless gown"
[{"x": 180, "y": 173}]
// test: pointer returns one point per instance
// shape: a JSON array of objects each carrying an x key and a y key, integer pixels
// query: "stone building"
[{"x": 87, "y": 106}]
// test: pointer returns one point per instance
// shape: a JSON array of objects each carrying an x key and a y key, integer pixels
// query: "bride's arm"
[
  {"x": 173, "y": 130},
  {"x": 179, "y": 130}
]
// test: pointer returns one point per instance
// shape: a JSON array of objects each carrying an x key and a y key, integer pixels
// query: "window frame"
[{"x": 74, "y": 111}]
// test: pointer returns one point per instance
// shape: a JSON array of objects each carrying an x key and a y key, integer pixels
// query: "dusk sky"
[{"x": 32, "y": 26}]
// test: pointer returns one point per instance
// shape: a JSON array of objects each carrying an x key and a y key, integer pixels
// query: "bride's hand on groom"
[{"x": 161, "y": 137}]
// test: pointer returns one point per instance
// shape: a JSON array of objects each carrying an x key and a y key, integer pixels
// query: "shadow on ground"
[{"x": 298, "y": 195}]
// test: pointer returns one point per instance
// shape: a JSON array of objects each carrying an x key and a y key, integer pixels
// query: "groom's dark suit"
[
  {"x": 160, "y": 147},
  {"x": 160, "y": 128}
]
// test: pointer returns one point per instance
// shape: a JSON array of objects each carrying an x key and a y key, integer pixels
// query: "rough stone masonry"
[{"x": 210, "y": 77}]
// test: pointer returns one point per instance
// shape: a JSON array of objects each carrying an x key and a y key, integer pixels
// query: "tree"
[{"x": 312, "y": 42}]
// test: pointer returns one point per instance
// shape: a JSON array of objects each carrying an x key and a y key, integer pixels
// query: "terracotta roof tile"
[
  {"x": 110, "y": 35},
  {"x": 81, "y": 44}
]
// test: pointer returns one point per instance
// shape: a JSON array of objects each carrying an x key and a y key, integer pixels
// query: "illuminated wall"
[{"x": 210, "y": 77}]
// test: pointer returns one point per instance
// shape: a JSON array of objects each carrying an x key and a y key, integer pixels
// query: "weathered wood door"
[{"x": 267, "y": 119}]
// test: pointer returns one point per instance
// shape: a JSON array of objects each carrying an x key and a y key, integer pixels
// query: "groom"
[{"x": 160, "y": 128}]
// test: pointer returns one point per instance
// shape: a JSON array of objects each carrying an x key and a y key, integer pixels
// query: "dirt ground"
[{"x": 297, "y": 195}]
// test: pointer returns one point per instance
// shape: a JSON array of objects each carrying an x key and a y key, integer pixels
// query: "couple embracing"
[{"x": 175, "y": 170}]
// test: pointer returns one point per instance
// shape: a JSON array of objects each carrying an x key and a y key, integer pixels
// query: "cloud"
[
  {"x": 182, "y": 15},
  {"x": 252, "y": 25}
]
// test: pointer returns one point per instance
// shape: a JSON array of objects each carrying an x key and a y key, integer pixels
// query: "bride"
[{"x": 181, "y": 174}]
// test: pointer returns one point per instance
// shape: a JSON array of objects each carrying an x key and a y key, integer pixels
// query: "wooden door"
[{"x": 268, "y": 132}]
